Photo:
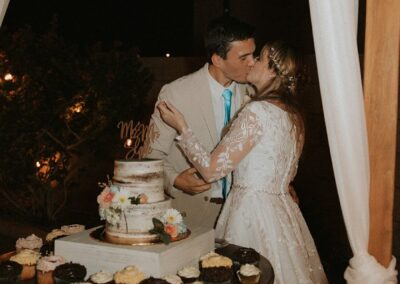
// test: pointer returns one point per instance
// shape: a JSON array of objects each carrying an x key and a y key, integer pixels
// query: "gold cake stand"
[{"x": 100, "y": 235}]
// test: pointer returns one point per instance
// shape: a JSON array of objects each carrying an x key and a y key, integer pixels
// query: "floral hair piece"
[{"x": 275, "y": 64}]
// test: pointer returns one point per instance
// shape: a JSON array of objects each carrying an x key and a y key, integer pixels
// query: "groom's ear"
[{"x": 216, "y": 60}]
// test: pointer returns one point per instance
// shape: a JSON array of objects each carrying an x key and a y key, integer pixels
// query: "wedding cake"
[{"x": 134, "y": 206}]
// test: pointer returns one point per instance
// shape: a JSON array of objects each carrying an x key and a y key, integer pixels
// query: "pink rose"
[
  {"x": 105, "y": 197},
  {"x": 143, "y": 199},
  {"x": 171, "y": 230}
]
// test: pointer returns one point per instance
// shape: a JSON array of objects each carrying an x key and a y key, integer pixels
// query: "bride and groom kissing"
[{"x": 232, "y": 133}]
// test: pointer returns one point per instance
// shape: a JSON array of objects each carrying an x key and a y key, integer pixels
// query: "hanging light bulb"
[{"x": 128, "y": 142}]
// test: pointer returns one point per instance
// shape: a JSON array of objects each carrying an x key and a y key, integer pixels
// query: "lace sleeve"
[{"x": 245, "y": 131}]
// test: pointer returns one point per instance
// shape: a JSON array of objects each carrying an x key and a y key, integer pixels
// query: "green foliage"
[
  {"x": 61, "y": 105},
  {"x": 158, "y": 229}
]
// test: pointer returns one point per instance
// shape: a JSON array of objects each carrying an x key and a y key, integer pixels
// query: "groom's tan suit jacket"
[{"x": 191, "y": 95}]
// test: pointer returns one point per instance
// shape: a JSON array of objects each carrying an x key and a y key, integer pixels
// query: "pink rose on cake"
[
  {"x": 105, "y": 197},
  {"x": 171, "y": 230}
]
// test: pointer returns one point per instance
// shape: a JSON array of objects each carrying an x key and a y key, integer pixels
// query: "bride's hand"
[{"x": 172, "y": 116}]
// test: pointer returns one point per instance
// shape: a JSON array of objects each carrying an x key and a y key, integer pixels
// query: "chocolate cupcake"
[
  {"x": 102, "y": 277},
  {"x": 69, "y": 273},
  {"x": 189, "y": 274},
  {"x": 152, "y": 280},
  {"x": 10, "y": 271},
  {"x": 173, "y": 279},
  {"x": 246, "y": 256},
  {"x": 216, "y": 269}
]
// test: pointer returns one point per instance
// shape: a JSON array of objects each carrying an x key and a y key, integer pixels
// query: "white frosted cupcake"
[
  {"x": 173, "y": 279},
  {"x": 72, "y": 229},
  {"x": 189, "y": 274},
  {"x": 28, "y": 259},
  {"x": 45, "y": 267},
  {"x": 249, "y": 274},
  {"x": 31, "y": 242},
  {"x": 102, "y": 277},
  {"x": 129, "y": 275}
]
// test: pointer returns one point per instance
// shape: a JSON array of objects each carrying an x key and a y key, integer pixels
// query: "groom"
[{"x": 208, "y": 98}]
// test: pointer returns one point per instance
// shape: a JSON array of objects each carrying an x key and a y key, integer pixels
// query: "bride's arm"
[{"x": 244, "y": 133}]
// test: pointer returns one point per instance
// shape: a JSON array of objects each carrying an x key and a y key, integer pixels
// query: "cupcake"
[
  {"x": 246, "y": 256},
  {"x": 152, "y": 280},
  {"x": 173, "y": 279},
  {"x": 189, "y": 274},
  {"x": 28, "y": 259},
  {"x": 69, "y": 273},
  {"x": 48, "y": 246},
  {"x": 216, "y": 269},
  {"x": 129, "y": 275},
  {"x": 45, "y": 268},
  {"x": 31, "y": 242},
  {"x": 72, "y": 229},
  {"x": 249, "y": 274},
  {"x": 10, "y": 271},
  {"x": 102, "y": 277}
]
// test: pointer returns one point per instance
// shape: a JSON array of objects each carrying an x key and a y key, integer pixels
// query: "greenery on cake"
[{"x": 169, "y": 227}]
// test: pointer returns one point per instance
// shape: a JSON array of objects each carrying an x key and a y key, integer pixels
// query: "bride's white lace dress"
[{"x": 259, "y": 212}]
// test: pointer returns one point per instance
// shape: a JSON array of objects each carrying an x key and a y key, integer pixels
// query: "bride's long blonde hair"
[{"x": 282, "y": 89}]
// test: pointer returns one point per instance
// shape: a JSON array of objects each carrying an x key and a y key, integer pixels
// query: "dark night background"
[{"x": 160, "y": 27}]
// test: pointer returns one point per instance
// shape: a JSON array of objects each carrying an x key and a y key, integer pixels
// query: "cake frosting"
[
  {"x": 208, "y": 255},
  {"x": 72, "y": 229},
  {"x": 132, "y": 199},
  {"x": 129, "y": 275},
  {"x": 249, "y": 270},
  {"x": 216, "y": 261},
  {"x": 32, "y": 242},
  {"x": 102, "y": 277},
  {"x": 173, "y": 279},
  {"x": 49, "y": 263},
  {"x": 26, "y": 257},
  {"x": 55, "y": 233},
  {"x": 189, "y": 272}
]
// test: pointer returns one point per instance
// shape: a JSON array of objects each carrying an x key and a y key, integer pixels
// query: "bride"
[{"x": 263, "y": 145}]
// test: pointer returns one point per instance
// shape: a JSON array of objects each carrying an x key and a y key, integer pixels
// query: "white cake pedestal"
[{"x": 155, "y": 260}]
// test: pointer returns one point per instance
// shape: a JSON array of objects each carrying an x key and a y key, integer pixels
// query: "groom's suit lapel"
[{"x": 205, "y": 106}]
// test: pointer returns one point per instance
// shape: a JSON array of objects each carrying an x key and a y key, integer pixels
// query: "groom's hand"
[{"x": 190, "y": 183}]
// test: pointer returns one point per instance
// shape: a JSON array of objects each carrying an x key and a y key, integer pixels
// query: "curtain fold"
[
  {"x": 3, "y": 9},
  {"x": 334, "y": 25}
]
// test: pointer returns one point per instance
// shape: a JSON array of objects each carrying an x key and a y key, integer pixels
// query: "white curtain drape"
[
  {"x": 3, "y": 9},
  {"x": 334, "y": 24}
]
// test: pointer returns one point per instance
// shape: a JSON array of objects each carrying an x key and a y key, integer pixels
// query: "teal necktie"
[{"x": 227, "y": 94}]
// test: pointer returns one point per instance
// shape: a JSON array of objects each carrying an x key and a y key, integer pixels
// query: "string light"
[
  {"x": 38, "y": 164},
  {"x": 8, "y": 77},
  {"x": 167, "y": 55},
  {"x": 128, "y": 142}
]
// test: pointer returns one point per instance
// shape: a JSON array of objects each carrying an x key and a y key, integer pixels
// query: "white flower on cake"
[
  {"x": 121, "y": 200},
  {"x": 172, "y": 216}
]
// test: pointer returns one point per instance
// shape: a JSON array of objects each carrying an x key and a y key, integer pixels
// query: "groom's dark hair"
[{"x": 221, "y": 32}]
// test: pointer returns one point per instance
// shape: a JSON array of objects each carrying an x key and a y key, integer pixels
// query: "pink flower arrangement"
[
  {"x": 171, "y": 230},
  {"x": 105, "y": 198}
]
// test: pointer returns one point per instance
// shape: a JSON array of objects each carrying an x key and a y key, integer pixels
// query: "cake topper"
[{"x": 137, "y": 138}]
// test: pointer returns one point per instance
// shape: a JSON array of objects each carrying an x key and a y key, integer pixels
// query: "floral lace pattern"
[
  {"x": 244, "y": 133},
  {"x": 262, "y": 149}
]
